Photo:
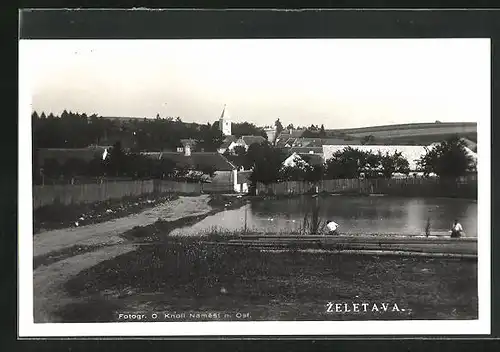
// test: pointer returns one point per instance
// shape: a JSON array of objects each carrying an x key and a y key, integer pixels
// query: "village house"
[
  {"x": 225, "y": 173},
  {"x": 271, "y": 133},
  {"x": 247, "y": 141},
  {"x": 296, "y": 159},
  {"x": 231, "y": 142}
]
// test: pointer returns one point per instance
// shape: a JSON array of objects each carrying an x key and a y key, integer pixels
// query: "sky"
[{"x": 341, "y": 83}]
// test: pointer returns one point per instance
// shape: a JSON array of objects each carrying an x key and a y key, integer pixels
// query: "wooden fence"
[
  {"x": 425, "y": 187},
  {"x": 97, "y": 192}
]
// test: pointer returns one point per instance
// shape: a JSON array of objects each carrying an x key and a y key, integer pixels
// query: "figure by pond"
[
  {"x": 332, "y": 227},
  {"x": 456, "y": 230}
]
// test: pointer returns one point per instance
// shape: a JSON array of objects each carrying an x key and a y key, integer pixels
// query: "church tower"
[{"x": 225, "y": 122}]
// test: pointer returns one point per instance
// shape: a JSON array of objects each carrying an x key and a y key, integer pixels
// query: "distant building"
[
  {"x": 288, "y": 134},
  {"x": 271, "y": 133}
]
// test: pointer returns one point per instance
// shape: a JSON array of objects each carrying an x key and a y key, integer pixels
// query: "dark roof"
[
  {"x": 235, "y": 160},
  {"x": 203, "y": 159},
  {"x": 249, "y": 140},
  {"x": 64, "y": 154},
  {"x": 227, "y": 141},
  {"x": 285, "y": 140},
  {"x": 470, "y": 144},
  {"x": 312, "y": 159},
  {"x": 306, "y": 150}
]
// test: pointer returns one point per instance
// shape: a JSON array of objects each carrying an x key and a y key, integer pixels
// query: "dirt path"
[
  {"x": 108, "y": 232},
  {"x": 47, "y": 279}
]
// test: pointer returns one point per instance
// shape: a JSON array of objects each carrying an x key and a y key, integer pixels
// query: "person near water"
[
  {"x": 332, "y": 227},
  {"x": 456, "y": 230}
]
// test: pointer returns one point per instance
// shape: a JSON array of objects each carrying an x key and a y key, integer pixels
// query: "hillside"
[
  {"x": 410, "y": 134},
  {"x": 409, "y": 126}
]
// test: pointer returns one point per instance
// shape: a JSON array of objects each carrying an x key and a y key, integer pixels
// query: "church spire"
[
  {"x": 225, "y": 113},
  {"x": 225, "y": 122}
]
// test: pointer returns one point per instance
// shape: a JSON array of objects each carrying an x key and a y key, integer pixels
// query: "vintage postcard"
[{"x": 254, "y": 187}]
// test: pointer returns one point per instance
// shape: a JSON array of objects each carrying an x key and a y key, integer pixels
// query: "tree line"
[{"x": 75, "y": 130}]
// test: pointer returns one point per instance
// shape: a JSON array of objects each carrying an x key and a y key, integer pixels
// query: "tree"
[
  {"x": 206, "y": 170},
  {"x": 116, "y": 162},
  {"x": 448, "y": 159},
  {"x": 279, "y": 126},
  {"x": 315, "y": 173},
  {"x": 209, "y": 139},
  {"x": 247, "y": 129},
  {"x": 240, "y": 150},
  {"x": 372, "y": 165},
  {"x": 74, "y": 167},
  {"x": 290, "y": 126},
  {"x": 322, "y": 132},
  {"x": 394, "y": 163},
  {"x": 347, "y": 163},
  {"x": 95, "y": 167},
  {"x": 265, "y": 161},
  {"x": 52, "y": 168}
]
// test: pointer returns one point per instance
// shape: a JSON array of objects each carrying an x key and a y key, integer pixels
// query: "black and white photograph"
[{"x": 254, "y": 186}]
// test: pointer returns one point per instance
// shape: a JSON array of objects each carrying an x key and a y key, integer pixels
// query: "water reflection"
[{"x": 363, "y": 215}]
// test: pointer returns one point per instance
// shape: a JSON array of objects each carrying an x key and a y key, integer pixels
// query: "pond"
[{"x": 354, "y": 214}]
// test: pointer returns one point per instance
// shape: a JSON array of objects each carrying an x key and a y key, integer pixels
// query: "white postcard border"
[{"x": 27, "y": 327}]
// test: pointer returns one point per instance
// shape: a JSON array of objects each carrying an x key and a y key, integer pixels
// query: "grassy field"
[
  {"x": 409, "y": 126},
  {"x": 411, "y": 134},
  {"x": 59, "y": 216},
  {"x": 190, "y": 275}
]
